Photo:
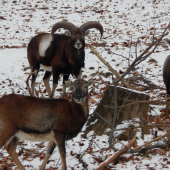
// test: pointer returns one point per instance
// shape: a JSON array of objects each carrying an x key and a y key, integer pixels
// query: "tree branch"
[
  {"x": 141, "y": 126},
  {"x": 102, "y": 118},
  {"x": 109, "y": 66},
  {"x": 141, "y": 58},
  {"x": 136, "y": 102},
  {"x": 148, "y": 143},
  {"x": 117, "y": 154}
]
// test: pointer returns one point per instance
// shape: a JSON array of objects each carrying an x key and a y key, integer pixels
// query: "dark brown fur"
[
  {"x": 54, "y": 120},
  {"x": 166, "y": 74},
  {"x": 65, "y": 54},
  {"x": 59, "y": 55}
]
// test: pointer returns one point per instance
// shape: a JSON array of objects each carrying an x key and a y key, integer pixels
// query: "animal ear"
[
  {"x": 68, "y": 83},
  {"x": 90, "y": 82},
  {"x": 87, "y": 33},
  {"x": 68, "y": 33}
]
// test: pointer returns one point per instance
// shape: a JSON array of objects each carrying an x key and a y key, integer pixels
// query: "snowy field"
[{"x": 124, "y": 21}]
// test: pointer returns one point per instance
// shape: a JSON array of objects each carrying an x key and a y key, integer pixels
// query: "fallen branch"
[
  {"x": 141, "y": 126},
  {"x": 148, "y": 143},
  {"x": 143, "y": 150},
  {"x": 136, "y": 102},
  {"x": 117, "y": 154},
  {"x": 150, "y": 84}
]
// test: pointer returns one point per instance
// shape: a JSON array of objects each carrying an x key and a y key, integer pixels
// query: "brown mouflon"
[{"x": 37, "y": 119}]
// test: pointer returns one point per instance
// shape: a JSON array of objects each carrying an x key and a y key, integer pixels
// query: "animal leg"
[
  {"x": 53, "y": 90},
  {"x": 167, "y": 109},
  {"x": 50, "y": 149},
  {"x": 11, "y": 150},
  {"x": 65, "y": 78},
  {"x": 60, "y": 141},
  {"x": 34, "y": 76},
  {"x": 168, "y": 90},
  {"x": 46, "y": 79},
  {"x": 6, "y": 132},
  {"x": 168, "y": 102},
  {"x": 55, "y": 83}
]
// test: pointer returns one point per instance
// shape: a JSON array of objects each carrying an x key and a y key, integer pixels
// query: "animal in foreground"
[
  {"x": 59, "y": 54},
  {"x": 37, "y": 119}
]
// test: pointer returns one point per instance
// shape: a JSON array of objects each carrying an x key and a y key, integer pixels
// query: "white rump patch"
[
  {"x": 44, "y": 44},
  {"x": 46, "y": 68}
]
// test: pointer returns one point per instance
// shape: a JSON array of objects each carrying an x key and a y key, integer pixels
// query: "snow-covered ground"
[{"x": 124, "y": 21}]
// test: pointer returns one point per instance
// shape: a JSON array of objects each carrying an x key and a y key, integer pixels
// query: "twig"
[
  {"x": 142, "y": 57},
  {"x": 148, "y": 143},
  {"x": 111, "y": 92},
  {"x": 109, "y": 66},
  {"x": 150, "y": 147},
  {"x": 80, "y": 155},
  {"x": 117, "y": 154},
  {"x": 136, "y": 102},
  {"x": 102, "y": 118},
  {"x": 141, "y": 126},
  {"x": 136, "y": 49},
  {"x": 115, "y": 113},
  {"x": 146, "y": 87},
  {"x": 142, "y": 78},
  {"x": 130, "y": 51}
]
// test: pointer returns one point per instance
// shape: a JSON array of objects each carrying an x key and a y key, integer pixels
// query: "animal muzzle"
[
  {"x": 78, "y": 44},
  {"x": 79, "y": 99}
]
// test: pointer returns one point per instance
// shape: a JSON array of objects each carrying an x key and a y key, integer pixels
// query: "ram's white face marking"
[
  {"x": 78, "y": 44},
  {"x": 46, "y": 68},
  {"x": 44, "y": 44}
]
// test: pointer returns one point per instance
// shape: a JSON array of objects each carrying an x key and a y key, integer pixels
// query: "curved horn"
[
  {"x": 63, "y": 24},
  {"x": 92, "y": 24}
]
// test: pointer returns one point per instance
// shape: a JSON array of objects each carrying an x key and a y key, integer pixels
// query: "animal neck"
[
  {"x": 81, "y": 106},
  {"x": 78, "y": 51}
]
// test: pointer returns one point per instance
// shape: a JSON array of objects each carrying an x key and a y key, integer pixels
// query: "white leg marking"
[{"x": 46, "y": 68}]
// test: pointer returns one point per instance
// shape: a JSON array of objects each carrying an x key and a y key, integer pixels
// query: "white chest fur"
[{"x": 34, "y": 136}]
